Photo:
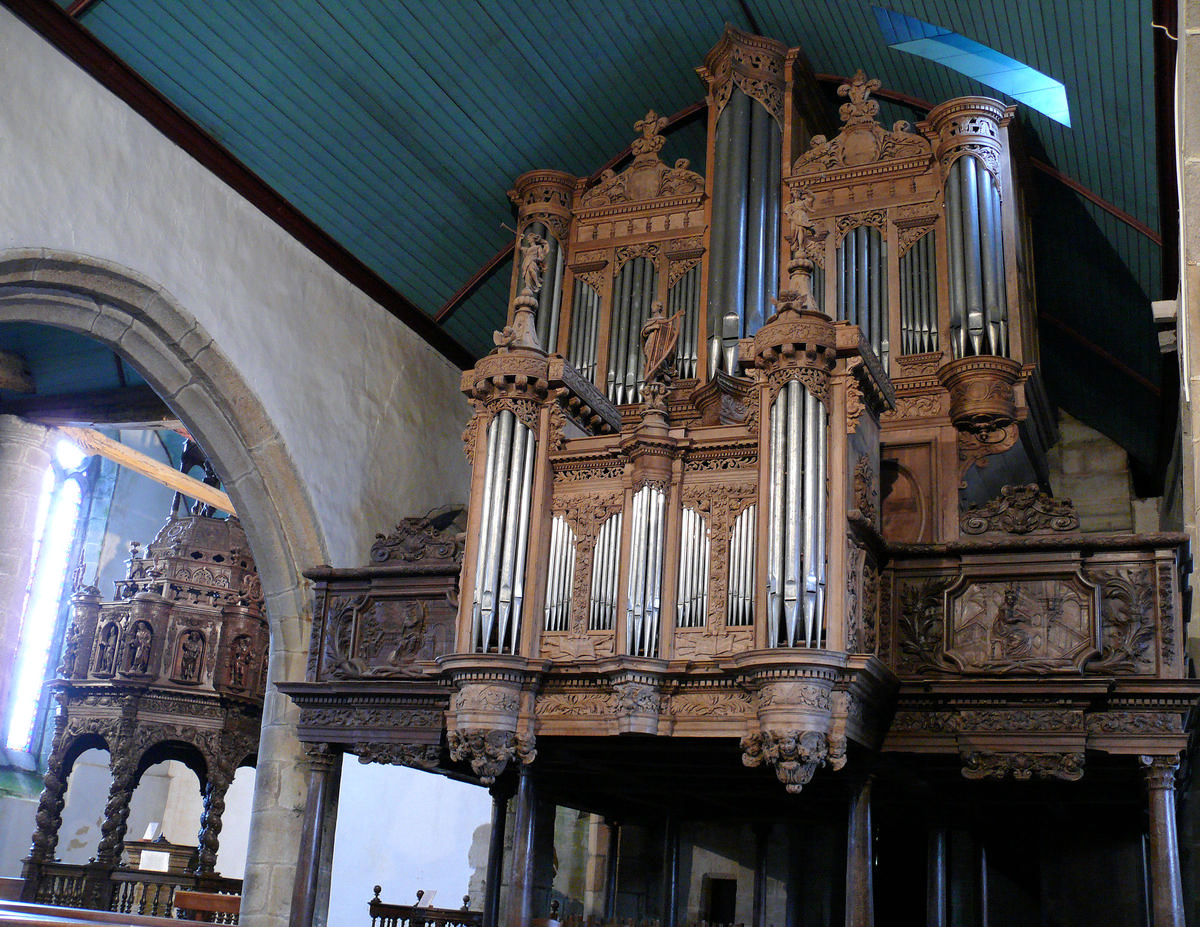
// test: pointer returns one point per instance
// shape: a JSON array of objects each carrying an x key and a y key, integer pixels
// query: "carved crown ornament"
[
  {"x": 1021, "y": 510},
  {"x": 647, "y": 178},
  {"x": 752, "y": 63},
  {"x": 862, "y": 140}
]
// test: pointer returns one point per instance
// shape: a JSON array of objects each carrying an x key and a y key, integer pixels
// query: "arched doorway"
[{"x": 147, "y": 327}]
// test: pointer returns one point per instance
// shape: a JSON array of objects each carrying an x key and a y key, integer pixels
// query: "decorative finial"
[
  {"x": 651, "y": 142},
  {"x": 860, "y": 109}
]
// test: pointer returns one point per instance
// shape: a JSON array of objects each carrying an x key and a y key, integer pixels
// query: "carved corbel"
[
  {"x": 417, "y": 756},
  {"x": 974, "y": 447},
  {"x": 795, "y": 755},
  {"x": 490, "y": 751}
]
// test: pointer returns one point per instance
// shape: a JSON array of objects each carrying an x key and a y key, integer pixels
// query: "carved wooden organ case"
[{"x": 716, "y": 462}]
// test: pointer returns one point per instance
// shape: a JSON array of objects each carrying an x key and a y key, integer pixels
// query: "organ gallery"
[{"x": 760, "y": 554}]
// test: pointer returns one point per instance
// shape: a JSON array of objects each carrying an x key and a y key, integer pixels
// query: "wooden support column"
[
  {"x": 1166, "y": 886},
  {"x": 521, "y": 871},
  {"x": 670, "y": 886},
  {"x": 860, "y": 891},
  {"x": 935, "y": 878},
  {"x": 762, "y": 836},
  {"x": 322, "y": 766},
  {"x": 495, "y": 861},
  {"x": 612, "y": 862}
]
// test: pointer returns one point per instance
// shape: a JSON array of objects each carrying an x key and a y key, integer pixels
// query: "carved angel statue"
[
  {"x": 659, "y": 337},
  {"x": 803, "y": 227},
  {"x": 533, "y": 262}
]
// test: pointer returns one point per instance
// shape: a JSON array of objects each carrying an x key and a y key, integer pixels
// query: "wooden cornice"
[
  {"x": 127, "y": 407},
  {"x": 52, "y": 23}
]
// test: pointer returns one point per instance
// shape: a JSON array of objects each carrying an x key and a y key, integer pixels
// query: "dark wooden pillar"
[
  {"x": 612, "y": 862},
  {"x": 936, "y": 910},
  {"x": 860, "y": 889},
  {"x": 322, "y": 767},
  {"x": 762, "y": 837},
  {"x": 521, "y": 871},
  {"x": 208, "y": 840},
  {"x": 670, "y": 885},
  {"x": 116, "y": 811},
  {"x": 1166, "y": 886},
  {"x": 495, "y": 861}
]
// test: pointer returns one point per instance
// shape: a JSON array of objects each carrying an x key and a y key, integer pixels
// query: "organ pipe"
[
  {"x": 691, "y": 604},
  {"x": 504, "y": 535},
  {"x": 585, "y": 318},
  {"x": 975, "y": 246},
  {"x": 550, "y": 296},
  {"x": 560, "y": 575},
  {"x": 742, "y": 544},
  {"x": 602, "y": 604},
  {"x": 685, "y": 295},
  {"x": 918, "y": 297},
  {"x": 744, "y": 240},
  {"x": 797, "y": 537},
  {"x": 862, "y": 285},
  {"x": 645, "y": 572},
  {"x": 634, "y": 291}
]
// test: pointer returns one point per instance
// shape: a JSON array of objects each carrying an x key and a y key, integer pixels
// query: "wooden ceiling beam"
[
  {"x": 128, "y": 407},
  {"x": 92, "y": 442}
]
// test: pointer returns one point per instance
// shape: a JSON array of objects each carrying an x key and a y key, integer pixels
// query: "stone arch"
[
  {"x": 142, "y": 322},
  {"x": 167, "y": 345}
]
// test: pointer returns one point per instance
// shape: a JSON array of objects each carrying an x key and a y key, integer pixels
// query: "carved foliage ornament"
[
  {"x": 436, "y": 537},
  {"x": 418, "y": 756},
  {"x": 751, "y": 63},
  {"x": 1023, "y": 766},
  {"x": 490, "y": 751},
  {"x": 795, "y": 755},
  {"x": 647, "y": 178},
  {"x": 1021, "y": 510}
]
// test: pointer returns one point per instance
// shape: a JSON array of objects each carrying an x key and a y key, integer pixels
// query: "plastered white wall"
[
  {"x": 405, "y": 830},
  {"x": 370, "y": 414}
]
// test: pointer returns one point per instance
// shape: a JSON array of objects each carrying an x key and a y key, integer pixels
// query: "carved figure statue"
[
  {"x": 191, "y": 648},
  {"x": 533, "y": 262},
  {"x": 70, "y": 650},
  {"x": 798, "y": 213},
  {"x": 106, "y": 651},
  {"x": 1011, "y": 637},
  {"x": 139, "y": 648},
  {"x": 659, "y": 337},
  {"x": 240, "y": 657}
]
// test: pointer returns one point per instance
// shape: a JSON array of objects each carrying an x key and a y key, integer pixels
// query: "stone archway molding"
[{"x": 167, "y": 345}]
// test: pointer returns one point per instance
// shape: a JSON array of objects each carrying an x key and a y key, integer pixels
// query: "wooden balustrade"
[{"x": 414, "y": 915}]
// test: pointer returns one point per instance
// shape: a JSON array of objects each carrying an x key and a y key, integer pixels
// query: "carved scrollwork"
[
  {"x": 1127, "y": 613},
  {"x": 921, "y": 406},
  {"x": 866, "y": 488},
  {"x": 795, "y": 755},
  {"x": 418, "y": 756},
  {"x": 435, "y": 537},
  {"x": 490, "y": 751},
  {"x": 1135, "y": 722},
  {"x": 627, "y": 253},
  {"x": 1021, "y": 510},
  {"x": 1023, "y": 766}
]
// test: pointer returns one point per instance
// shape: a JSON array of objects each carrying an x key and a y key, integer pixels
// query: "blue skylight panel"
[{"x": 966, "y": 56}]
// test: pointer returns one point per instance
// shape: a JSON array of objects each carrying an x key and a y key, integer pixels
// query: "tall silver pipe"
[
  {"x": 988, "y": 230},
  {"x": 954, "y": 248},
  {"x": 793, "y": 538},
  {"x": 774, "y": 196},
  {"x": 654, "y": 581},
  {"x": 574, "y": 334},
  {"x": 875, "y": 279},
  {"x": 733, "y": 583},
  {"x": 750, "y": 519},
  {"x": 1001, "y": 285},
  {"x": 775, "y": 536},
  {"x": 757, "y": 220},
  {"x": 632, "y": 347},
  {"x": 592, "y": 330},
  {"x": 719, "y": 236},
  {"x": 596, "y": 594},
  {"x": 553, "y": 565},
  {"x": 637, "y": 574},
  {"x": 862, "y": 282},
  {"x": 512, "y": 512},
  {"x": 811, "y": 473},
  {"x": 685, "y": 555},
  {"x": 481, "y": 558},
  {"x": 505, "y": 422},
  {"x": 649, "y": 292},
  {"x": 843, "y": 310},
  {"x": 618, "y": 334},
  {"x": 972, "y": 273},
  {"x": 524, "y": 503},
  {"x": 820, "y": 502}
]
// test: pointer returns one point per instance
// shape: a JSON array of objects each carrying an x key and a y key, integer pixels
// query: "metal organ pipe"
[
  {"x": 975, "y": 244},
  {"x": 861, "y": 285},
  {"x": 685, "y": 295},
  {"x": 585, "y": 316},
  {"x": 691, "y": 604},
  {"x": 740, "y": 602},
  {"x": 605, "y": 559},
  {"x": 504, "y": 535},
  {"x": 634, "y": 290},
  {"x": 744, "y": 240},
  {"x": 561, "y": 574},
  {"x": 918, "y": 297},
  {"x": 796, "y": 567},
  {"x": 645, "y": 572}
]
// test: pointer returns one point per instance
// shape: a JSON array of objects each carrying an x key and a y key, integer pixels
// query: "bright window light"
[
  {"x": 58, "y": 512},
  {"x": 986, "y": 65}
]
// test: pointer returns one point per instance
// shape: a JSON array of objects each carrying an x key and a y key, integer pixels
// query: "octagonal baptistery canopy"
[{"x": 173, "y": 667}]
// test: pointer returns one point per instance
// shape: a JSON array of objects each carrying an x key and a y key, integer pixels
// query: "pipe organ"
[{"x": 738, "y": 476}]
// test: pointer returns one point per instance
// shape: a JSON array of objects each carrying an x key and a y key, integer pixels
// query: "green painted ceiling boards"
[{"x": 397, "y": 127}]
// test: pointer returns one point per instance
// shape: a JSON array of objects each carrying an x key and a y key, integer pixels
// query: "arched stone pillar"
[{"x": 134, "y": 317}]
